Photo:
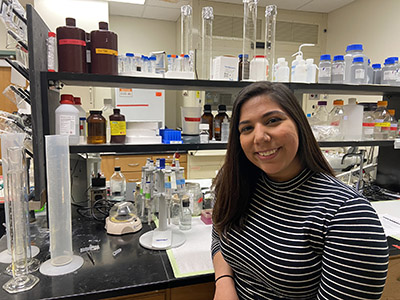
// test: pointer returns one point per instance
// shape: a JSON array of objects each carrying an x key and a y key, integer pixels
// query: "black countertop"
[{"x": 134, "y": 270}]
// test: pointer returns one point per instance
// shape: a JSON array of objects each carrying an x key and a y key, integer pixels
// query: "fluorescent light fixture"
[{"x": 141, "y": 2}]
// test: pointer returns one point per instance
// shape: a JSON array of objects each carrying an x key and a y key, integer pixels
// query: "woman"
[{"x": 284, "y": 226}]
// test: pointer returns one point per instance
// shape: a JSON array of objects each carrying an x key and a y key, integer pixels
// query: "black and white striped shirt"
[{"x": 311, "y": 237}]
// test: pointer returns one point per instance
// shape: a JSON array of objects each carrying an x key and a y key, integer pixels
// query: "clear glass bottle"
[
  {"x": 376, "y": 74},
  {"x": 324, "y": 75},
  {"x": 389, "y": 71},
  {"x": 185, "y": 221},
  {"x": 358, "y": 71},
  {"x": 225, "y": 130},
  {"x": 381, "y": 117},
  {"x": 175, "y": 212},
  {"x": 204, "y": 134},
  {"x": 117, "y": 185},
  {"x": 336, "y": 119},
  {"x": 337, "y": 72},
  {"x": 368, "y": 124},
  {"x": 393, "y": 124},
  {"x": 321, "y": 115}
]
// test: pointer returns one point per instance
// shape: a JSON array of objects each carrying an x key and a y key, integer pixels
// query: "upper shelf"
[{"x": 114, "y": 81}]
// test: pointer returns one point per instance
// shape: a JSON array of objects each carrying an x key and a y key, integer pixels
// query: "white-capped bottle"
[
  {"x": 67, "y": 119},
  {"x": 117, "y": 185},
  {"x": 376, "y": 74},
  {"x": 300, "y": 72},
  {"x": 311, "y": 70},
  {"x": 358, "y": 71},
  {"x": 281, "y": 73},
  {"x": 294, "y": 64},
  {"x": 338, "y": 67},
  {"x": 324, "y": 75},
  {"x": 352, "y": 120}
]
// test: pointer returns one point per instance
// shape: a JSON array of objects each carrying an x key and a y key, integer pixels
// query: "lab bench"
[{"x": 135, "y": 273}]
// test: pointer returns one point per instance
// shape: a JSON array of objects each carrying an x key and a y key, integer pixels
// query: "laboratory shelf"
[{"x": 381, "y": 143}]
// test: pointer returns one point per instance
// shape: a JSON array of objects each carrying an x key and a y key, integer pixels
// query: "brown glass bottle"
[
  {"x": 71, "y": 48},
  {"x": 218, "y": 121},
  {"x": 244, "y": 67},
  {"x": 208, "y": 118},
  {"x": 96, "y": 128},
  {"x": 104, "y": 51},
  {"x": 118, "y": 127}
]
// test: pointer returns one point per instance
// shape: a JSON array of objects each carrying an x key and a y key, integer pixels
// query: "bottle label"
[
  {"x": 67, "y": 125},
  {"x": 338, "y": 70},
  {"x": 359, "y": 74},
  {"x": 106, "y": 51},
  {"x": 368, "y": 124},
  {"x": 325, "y": 72},
  {"x": 368, "y": 130},
  {"x": 118, "y": 127},
  {"x": 71, "y": 42},
  {"x": 389, "y": 75},
  {"x": 382, "y": 124}
]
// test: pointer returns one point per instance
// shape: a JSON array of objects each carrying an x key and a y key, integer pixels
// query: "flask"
[
  {"x": 336, "y": 119},
  {"x": 259, "y": 68},
  {"x": 389, "y": 71},
  {"x": 82, "y": 119},
  {"x": 337, "y": 72},
  {"x": 107, "y": 111},
  {"x": 208, "y": 118},
  {"x": 117, "y": 185},
  {"x": 225, "y": 130},
  {"x": 104, "y": 52},
  {"x": 67, "y": 119},
  {"x": 370, "y": 72},
  {"x": 393, "y": 124},
  {"x": 300, "y": 72},
  {"x": 185, "y": 221},
  {"x": 219, "y": 118},
  {"x": 117, "y": 127},
  {"x": 204, "y": 134},
  {"x": 376, "y": 74},
  {"x": 324, "y": 74},
  {"x": 354, "y": 50},
  {"x": 281, "y": 73},
  {"x": 244, "y": 67},
  {"x": 71, "y": 47},
  {"x": 96, "y": 128},
  {"x": 358, "y": 71},
  {"x": 381, "y": 117},
  {"x": 352, "y": 120},
  {"x": 311, "y": 70},
  {"x": 368, "y": 124}
]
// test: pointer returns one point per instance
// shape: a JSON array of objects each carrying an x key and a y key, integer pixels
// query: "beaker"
[
  {"x": 206, "y": 42},
  {"x": 249, "y": 28},
  {"x": 270, "y": 27}
]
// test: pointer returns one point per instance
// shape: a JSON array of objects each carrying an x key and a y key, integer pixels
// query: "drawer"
[
  {"x": 133, "y": 176},
  {"x": 130, "y": 163},
  {"x": 168, "y": 158}
]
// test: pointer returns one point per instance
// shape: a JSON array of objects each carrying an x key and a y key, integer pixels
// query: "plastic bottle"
[
  {"x": 67, "y": 119},
  {"x": 353, "y": 50},
  {"x": 117, "y": 185},
  {"x": 382, "y": 117},
  {"x": 219, "y": 118},
  {"x": 358, "y": 71},
  {"x": 376, "y": 74},
  {"x": 338, "y": 67},
  {"x": 152, "y": 64},
  {"x": 208, "y": 118},
  {"x": 185, "y": 221},
  {"x": 393, "y": 124},
  {"x": 281, "y": 73},
  {"x": 368, "y": 124},
  {"x": 335, "y": 118},
  {"x": 311, "y": 70},
  {"x": 370, "y": 72},
  {"x": 259, "y": 68},
  {"x": 325, "y": 66},
  {"x": 389, "y": 71},
  {"x": 225, "y": 130},
  {"x": 107, "y": 111},
  {"x": 295, "y": 62},
  {"x": 321, "y": 114},
  {"x": 51, "y": 51},
  {"x": 117, "y": 127},
  {"x": 82, "y": 120},
  {"x": 204, "y": 133},
  {"x": 244, "y": 67},
  {"x": 96, "y": 128},
  {"x": 300, "y": 72},
  {"x": 352, "y": 121}
]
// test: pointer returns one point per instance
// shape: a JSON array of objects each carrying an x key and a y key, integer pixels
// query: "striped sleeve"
[
  {"x": 215, "y": 242},
  {"x": 355, "y": 255}
]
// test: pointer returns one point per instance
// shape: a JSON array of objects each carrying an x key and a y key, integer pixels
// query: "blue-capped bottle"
[
  {"x": 337, "y": 72},
  {"x": 325, "y": 66},
  {"x": 376, "y": 74},
  {"x": 353, "y": 50},
  {"x": 358, "y": 71},
  {"x": 389, "y": 71}
]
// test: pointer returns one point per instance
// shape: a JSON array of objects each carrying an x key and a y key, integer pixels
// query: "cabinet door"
[
  {"x": 392, "y": 286},
  {"x": 130, "y": 163},
  {"x": 156, "y": 295},
  {"x": 202, "y": 291}
]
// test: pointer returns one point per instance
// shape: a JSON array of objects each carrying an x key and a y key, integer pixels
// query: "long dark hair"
[{"x": 238, "y": 176}]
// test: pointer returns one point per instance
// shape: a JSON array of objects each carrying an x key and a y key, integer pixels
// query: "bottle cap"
[
  {"x": 376, "y": 66},
  {"x": 77, "y": 101},
  {"x": 221, "y": 108},
  {"x": 389, "y": 61},
  {"x": 51, "y": 34},
  {"x": 95, "y": 112},
  {"x": 338, "y": 102},
  {"x": 207, "y": 108},
  {"x": 169, "y": 55},
  {"x": 259, "y": 56},
  {"x": 67, "y": 99},
  {"x": 70, "y": 22},
  {"x": 240, "y": 56},
  {"x": 354, "y": 47},
  {"x": 395, "y": 58},
  {"x": 117, "y": 169},
  {"x": 358, "y": 59},
  {"x": 391, "y": 111},
  {"x": 352, "y": 101},
  {"x": 322, "y": 103},
  {"x": 129, "y": 54},
  {"x": 382, "y": 103},
  {"x": 309, "y": 61},
  {"x": 185, "y": 203},
  {"x": 338, "y": 58},
  {"x": 116, "y": 111},
  {"x": 103, "y": 25},
  {"x": 325, "y": 57}
]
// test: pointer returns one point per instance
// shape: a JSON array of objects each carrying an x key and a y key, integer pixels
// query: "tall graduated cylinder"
[
  {"x": 59, "y": 199},
  {"x": 249, "y": 29}
]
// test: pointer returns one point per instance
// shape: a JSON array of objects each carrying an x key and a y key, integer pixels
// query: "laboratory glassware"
[
  {"x": 270, "y": 28},
  {"x": 249, "y": 29},
  {"x": 206, "y": 42}
]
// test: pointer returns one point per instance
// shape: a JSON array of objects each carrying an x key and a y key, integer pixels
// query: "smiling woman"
[{"x": 284, "y": 226}]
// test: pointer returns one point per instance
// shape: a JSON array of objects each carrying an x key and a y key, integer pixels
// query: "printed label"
[
  {"x": 67, "y": 125},
  {"x": 382, "y": 124},
  {"x": 72, "y": 42},
  {"x": 338, "y": 70},
  {"x": 106, "y": 51},
  {"x": 187, "y": 119},
  {"x": 125, "y": 92},
  {"x": 325, "y": 72},
  {"x": 359, "y": 74},
  {"x": 389, "y": 75},
  {"x": 118, "y": 127}
]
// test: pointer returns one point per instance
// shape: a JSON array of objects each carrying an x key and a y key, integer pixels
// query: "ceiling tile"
[
  {"x": 161, "y": 13},
  {"x": 125, "y": 9},
  {"x": 323, "y": 6},
  {"x": 167, "y": 3}
]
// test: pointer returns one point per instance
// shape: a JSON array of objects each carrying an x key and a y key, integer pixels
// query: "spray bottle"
[{"x": 296, "y": 61}]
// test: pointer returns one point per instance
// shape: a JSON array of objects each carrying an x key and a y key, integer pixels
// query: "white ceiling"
[{"x": 169, "y": 10}]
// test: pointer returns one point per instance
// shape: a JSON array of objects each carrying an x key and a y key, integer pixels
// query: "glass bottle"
[
  {"x": 117, "y": 185},
  {"x": 204, "y": 134},
  {"x": 393, "y": 124},
  {"x": 244, "y": 67},
  {"x": 324, "y": 75},
  {"x": 208, "y": 118},
  {"x": 219, "y": 118},
  {"x": 107, "y": 111},
  {"x": 225, "y": 130},
  {"x": 368, "y": 124},
  {"x": 175, "y": 209},
  {"x": 337, "y": 72},
  {"x": 321, "y": 115},
  {"x": 336, "y": 118},
  {"x": 185, "y": 221},
  {"x": 381, "y": 116},
  {"x": 117, "y": 127},
  {"x": 96, "y": 128}
]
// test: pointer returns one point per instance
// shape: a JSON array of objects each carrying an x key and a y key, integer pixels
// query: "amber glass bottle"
[
  {"x": 208, "y": 118},
  {"x": 118, "y": 127},
  {"x": 219, "y": 118},
  {"x": 96, "y": 128}
]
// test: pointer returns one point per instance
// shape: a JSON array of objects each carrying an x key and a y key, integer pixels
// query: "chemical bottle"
[
  {"x": 311, "y": 70},
  {"x": 225, "y": 130},
  {"x": 176, "y": 207},
  {"x": 376, "y": 74},
  {"x": 397, "y": 73},
  {"x": 96, "y": 128},
  {"x": 352, "y": 120},
  {"x": 107, "y": 111},
  {"x": 382, "y": 117},
  {"x": 358, "y": 71},
  {"x": 389, "y": 71},
  {"x": 335, "y": 119},
  {"x": 295, "y": 62},
  {"x": 204, "y": 133},
  {"x": 82, "y": 120},
  {"x": 71, "y": 47},
  {"x": 325, "y": 66},
  {"x": 67, "y": 119},
  {"x": 368, "y": 124},
  {"x": 393, "y": 125},
  {"x": 352, "y": 51},
  {"x": 185, "y": 221},
  {"x": 117, "y": 127},
  {"x": 244, "y": 67},
  {"x": 300, "y": 72},
  {"x": 337, "y": 72},
  {"x": 208, "y": 118},
  {"x": 219, "y": 118},
  {"x": 259, "y": 68},
  {"x": 370, "y": 72},
  {"x": 104, "y": 52},
  {"x": 281, "y": 73},
  {"x": 321, "y": 115},
  {"x": 88, "y": 54},
  {"x": 117, "y": 185}
]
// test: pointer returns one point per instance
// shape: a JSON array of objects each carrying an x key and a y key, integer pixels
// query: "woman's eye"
[
  {"x": 273, "y": 120},
  {"x": 245, "y": 129}
]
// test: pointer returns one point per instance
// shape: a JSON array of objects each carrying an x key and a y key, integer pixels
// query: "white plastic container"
[
  {"x": 191, "y": 117},
  {"x": 352, "y": 51},
  {"x": 259, "y": 68},
  {"x": 295, "y": 62},
  {"x": 282, "y": 71},
  {"x": 324, "y": 74},
  {"x": 67, "y": 119},
  {"x": 300, "y": 72},
  {"x": 82, "y": 120},
  {"x": 358, "y": 71},
  {"x": 311, "y": 70},
  {"x": 352, "y": 121},
  {"x": 337, "y": 72}
]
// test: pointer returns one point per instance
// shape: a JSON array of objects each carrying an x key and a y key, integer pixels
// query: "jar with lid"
[
  {"x": 118, "y": 127},
  {"x": 208, "y": 118},
  {"x": 219, "y": 118},
  {"x": 259, "y": 68},
  {"x": 244, "y": 67},
  {"x": 193, "y": 190},
  {"x": 96, "y": 128}
]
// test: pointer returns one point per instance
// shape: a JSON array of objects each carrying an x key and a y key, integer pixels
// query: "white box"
[{"x": 225, "y": 68}]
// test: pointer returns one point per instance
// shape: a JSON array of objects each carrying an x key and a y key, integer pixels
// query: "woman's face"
[{"x": 269, "y": 138}]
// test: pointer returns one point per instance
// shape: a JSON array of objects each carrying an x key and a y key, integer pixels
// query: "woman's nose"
[{"x": 261, "y": 134}]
